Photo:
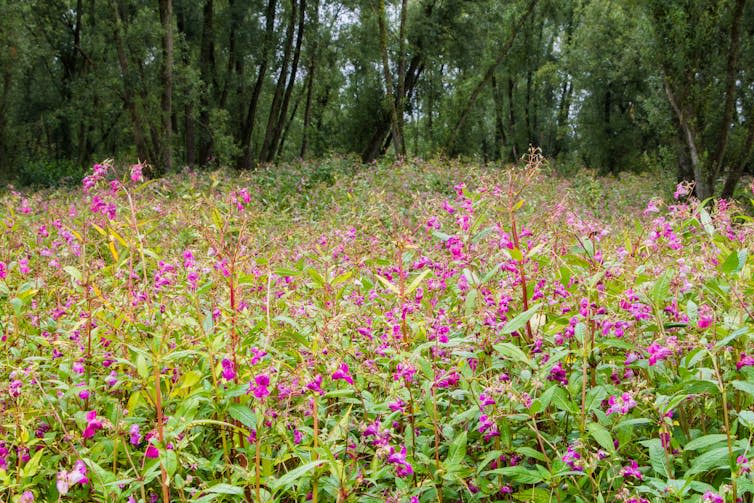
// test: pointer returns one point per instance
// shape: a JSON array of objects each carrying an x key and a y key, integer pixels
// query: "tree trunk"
[
  {"x": 137, "y": 127},
  {"x": 734, "y": 175},
  {"x": 488, "y": 75},
  {"x": 512, "y": 119},
  {"x": 245, "y": 161},
  {"x": 388, "y": 75},
  {"x": 401, "y": 70},
  {"x": 272, "y": 136},
  {"x": 499, "y": 125},
  {"x": 166, "y": 18},
  {"x": 381, "y": 137},
  {"x": 207, "y": 74},
  {"x": 310, "y": 73},
  {"x": 730, "y": 92},
  {"x": 703, "y": 190}
]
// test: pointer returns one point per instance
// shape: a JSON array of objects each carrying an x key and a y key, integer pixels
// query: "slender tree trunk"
[
  {"x": 310, "y": 75},
  {"x": 512, "y": 118},
  {"x": 272, "y": 136},
  {"x": 735, "y": 173},
  {"x": 703, "y": 191},
  {"x": 388, "y": 75},
  {"x": 232, "y": 50},
  {"x": 245, "y": 161},
  {"x": 399, "y": 99},
  {"x": 730, "y": 92},
  {"x": 381, "y": 138},
  {"x": 207, "y": 74},
  {"x": 166, "y": 18},
  {"x": 488, "y": 75},
  {"x": 287, "y": 127},
  {"x": 137, "y": 127},
  {"x": 499, "y": 125}
]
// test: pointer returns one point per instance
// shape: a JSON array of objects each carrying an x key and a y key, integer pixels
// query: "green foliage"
[{"x": 371, "y": 334}]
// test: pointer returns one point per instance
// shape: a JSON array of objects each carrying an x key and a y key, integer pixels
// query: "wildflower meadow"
[{"x": 418, "y": 332}]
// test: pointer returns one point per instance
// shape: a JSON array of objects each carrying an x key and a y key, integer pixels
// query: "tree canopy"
[{"x": 607, "y": 84}]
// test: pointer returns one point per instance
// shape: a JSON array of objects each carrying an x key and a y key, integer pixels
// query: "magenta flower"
[
  {"x": 658, "y": 352},
  {"x": 259, "y": 388},
  {"x": 316, "y": 385},
  {"x": 229, "y": 370},
  {"x": 15, "y": 388},
  {"x": 402, "y": 467},
  {"x": 572, "y": 458},
  {"x": 706, "y": 317},
  {"x": 558, "y": 374},
  {"x": 743, "y": 464},
  {"x": 632, "y": 470},
  {"x": 745, "y": 361},
  {"x": 93, "y": 424},
  {"x": 27, "y": 497},
  {"x": 343, "y": 373},
  {"x": 136, "y": 173},
  {"x": 404, "y": 371},
  {"x": 76, "y": 476},
  {"x": 488, "y": 427},
  {"x": 710, "y": 497},
  {"x": 3, "y": 270},
  {"x": 258, "y": 355},
  {"x": 135, "y": 436},
  {"x": 151, "y": 452},
  {"x": 397, "y": 405},
  {"x": 622, "y": 404}
]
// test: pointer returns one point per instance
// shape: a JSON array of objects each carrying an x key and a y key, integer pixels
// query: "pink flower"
[
  {"x": 706, "y": 317},
  {"x": 3, "y": 270},
  {"x": 558, "y": 374},
  {"x": 259, "y": 388},
  {"x": 343, "y": 373},
  {"x": 151, "y": 452},
  {"x": 136, "y": 173},
  {"x": 622, "y": 404},
  {"x": 93, "y": 424},
  {"x": 404, "y": 371},
  {"x": 632, "y": 470},
  {"x": 745, "y": 361},
  {"x": 316, "y": 385},
  {"x": 710, "y": 497},
  {"x": 402, "y": 467},
  {"x": 229, "y": 370},
  {"x": 135, "y": 436}
]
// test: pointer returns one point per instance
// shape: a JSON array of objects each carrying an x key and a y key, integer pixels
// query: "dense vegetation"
[
  {"x": 608, "y": 84},
  {"x": 412, "y": 332}
]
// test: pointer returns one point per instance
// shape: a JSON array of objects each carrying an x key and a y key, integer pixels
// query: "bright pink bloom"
[{"x": 343, "y": 373}]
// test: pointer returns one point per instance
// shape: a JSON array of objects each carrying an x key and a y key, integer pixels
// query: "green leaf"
[
  {"x": 744, "y": 386},
  {"x": 705, "y": 441},
  {"x": 417, "y": 281},
  {"x": 533, "y": 495},
  {"x": 658, "y": 458},
  {"x": 661, "y": 288},
  {"x": 711, "y": 460},
  {"x": 294, "y": 475},
  {"x": 602, "y": 436},
  {"x": 457, "y": 452},
  {"x": 746, "y": 418},
  {"x": 243, "y": 414},
  {"x": 706, "y": 221},
  {"x": 514, "y": 353},
  {"x": 519, "y": 474},
  {"x": 562, "y": 402},
  {"x": 520, "y": 320},
  {"x": 225, "y": 489}
]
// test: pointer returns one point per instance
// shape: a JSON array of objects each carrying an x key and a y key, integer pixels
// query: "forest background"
[{"x": 659, "y": 85}]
